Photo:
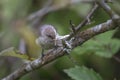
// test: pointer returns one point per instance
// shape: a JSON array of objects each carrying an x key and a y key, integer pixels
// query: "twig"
[
  {"x": 88, "y": 1},
  {"x": 108, "y": 10},
  {"x": 84, "y": 22},
  {"x": 87, "y": 34},
  {"x": 72, "y": 27},
  {"x": 36, "y": 17},
  {"x": 88, "y": 17},
  {"x": 40, "y": 12}
]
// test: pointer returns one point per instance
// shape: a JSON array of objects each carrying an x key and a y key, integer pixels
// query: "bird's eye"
[{"x": 50, "y": 36}]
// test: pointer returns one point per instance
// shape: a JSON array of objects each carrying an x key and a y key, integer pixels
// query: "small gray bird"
[{"x": 49, "y": 38}]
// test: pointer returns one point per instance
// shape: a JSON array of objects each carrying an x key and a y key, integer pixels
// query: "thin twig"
[
  {"x": 84, "y": 22},
  {"x": 36, "y": 17},
  {"x": 72, "y": 27},
  {"x": 89, "y": 1},
  {"x": 108, "y": 10},
  {"x": 40, "y": 12},
  {"x": 88, "y": 17}
]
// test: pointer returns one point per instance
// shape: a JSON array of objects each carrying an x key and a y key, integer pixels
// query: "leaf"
[
  {"x": 82, "y": 73},
  {"x": 29, "y": 38},
  {"x": 102, "y": 45},
  {"x": 12, "y": 52},
  {"x": 108, "y": 46},
  {"x": 109, "y": 49}
]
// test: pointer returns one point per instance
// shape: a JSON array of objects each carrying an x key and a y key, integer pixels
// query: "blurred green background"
[{"x": 101, "y": 53}]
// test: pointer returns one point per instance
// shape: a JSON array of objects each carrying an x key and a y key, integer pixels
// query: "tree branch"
[
  {"x": 85, "y": 21},
  {"x": 108, "y": 10},
  {"x": 53, "y": 54},
  {"x": 36, "y": 17}
]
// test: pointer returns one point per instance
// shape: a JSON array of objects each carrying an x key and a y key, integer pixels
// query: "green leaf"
[
  {"x": 82, "y": 73},
  {"x": 109, "y": 49},
  {"x": 12, "y": 52},
  {"x": 107, "y": 45},
  {"x": 102, "y": 45}
]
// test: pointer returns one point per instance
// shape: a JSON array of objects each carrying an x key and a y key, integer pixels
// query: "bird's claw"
[{"x": 67, "y": 47}]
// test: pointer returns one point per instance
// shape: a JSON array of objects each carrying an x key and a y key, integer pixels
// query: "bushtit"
[{"x": 49, "y": 38}]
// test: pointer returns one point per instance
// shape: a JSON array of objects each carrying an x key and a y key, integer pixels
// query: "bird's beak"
[{"x": 55, "y": 41}]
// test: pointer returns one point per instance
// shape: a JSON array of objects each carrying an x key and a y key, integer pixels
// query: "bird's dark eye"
[{"x": 50, "y": 36}]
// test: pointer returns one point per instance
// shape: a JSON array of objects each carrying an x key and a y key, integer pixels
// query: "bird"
[{"x": 49, "y": 38}]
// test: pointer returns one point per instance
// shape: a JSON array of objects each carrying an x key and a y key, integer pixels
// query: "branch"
[
  {"x": 108, "y": 10},
  {"x": 88, "y": 1},
  {"x": 85, "y": 21},
  {"x": 36, "y": 17},
  {"x": 53, "y": 54},
  {"x": 89, "y": 33}
]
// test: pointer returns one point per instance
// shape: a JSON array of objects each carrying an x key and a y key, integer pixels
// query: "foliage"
[
  {"x": 82, "y": 73},
  {"x": 102, "y": 45},
  {"x": 12, "y": 52}
]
